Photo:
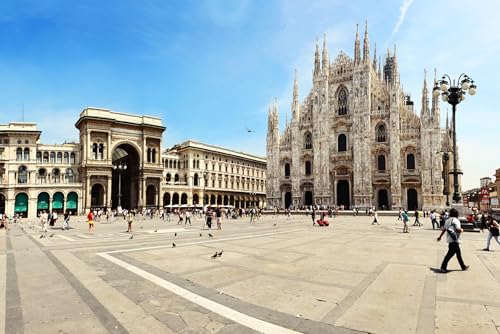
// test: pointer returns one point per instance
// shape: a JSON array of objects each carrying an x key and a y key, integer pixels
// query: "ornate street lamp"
[
  {"x": 454, "y": 94},
  {"x": 446, "y": 177},
  {"x": 120, "y": 168}
]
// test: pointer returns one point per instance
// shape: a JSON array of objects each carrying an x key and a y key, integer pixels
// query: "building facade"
[
  {"x": 118, "y": 162},
  {"x": 355, "y": 140},
  {"x": 200, "y": 174}
]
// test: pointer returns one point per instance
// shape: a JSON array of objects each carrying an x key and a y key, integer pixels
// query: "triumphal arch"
[{"x": 121, "y": 165}]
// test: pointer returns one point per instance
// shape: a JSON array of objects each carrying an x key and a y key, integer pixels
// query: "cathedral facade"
[{"x": 356, "y": 140}]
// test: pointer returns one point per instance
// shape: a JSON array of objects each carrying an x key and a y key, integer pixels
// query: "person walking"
[
  {"x": 218, "y": 214},
  {"x": 417, "y": 221},
  {"x": 187, "y": 218},
  {"x": 406, "y": 219},
  {"x": 453, "y": 230},
  {"x": 433, "y": 217},
  {"x": 313, "y": 216},
  {"x": 375, "y": 217},
  {"x": 66, "y": 220},
  {"x": 130, "y": 220},
  {"x": 493, "y": 226},
  {"x": 90, "y": 220},
  {"x": 44, "y": 220},
  {"x": 400, "y": 214}
]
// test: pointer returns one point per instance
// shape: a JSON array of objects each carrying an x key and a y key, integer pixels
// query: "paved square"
[{"x": 277, "y": 275}]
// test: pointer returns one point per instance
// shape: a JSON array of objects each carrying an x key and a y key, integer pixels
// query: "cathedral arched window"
[
  {"x": 308, "y": 168},
  {"x": 410, "y": 161},
  {"x": 381, "y": 133},
  {"x": 308, "y": 141},
  {"x": 381, "y": 163},
  {"x": 342, "y": 143},
  {"x": 342, "y": 101},
  {"x": 287, "y": 170}
]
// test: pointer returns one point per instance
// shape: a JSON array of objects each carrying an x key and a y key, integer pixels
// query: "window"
[
  {"x": 149, "y": 154},
  {"x": 176, "y": 178},
  {"x": 39, "y": 157},
  {"x": 381, "y": 163},
  {"x": 66, "y": 157},
  {"x": 52, "y": 158},
  {"x": 45, "y": 157},
  {"x": 56, "y": 176},
  {"x": 153, "y": 155},
  {"x": 42, "y": 176},
  {"x": 287, "y": 170},
  {"x": 342, "y": 143},
  {"x": 168, "y": 177},
  {"x": 72, "y": 158},
  {"x": 94, "y": 151},
  {"x": 22, "y": 175},
  {"x": 69, "y": 175},
  {"x": 308, "y": 141},
  {"x": 26, "y": 154},
  {"x": 410, "y": 161},
  {"x": 195, "y": 180},
  {"x": 308, "y": 168},
  {"x": 59, "y": 157},
  {"x": 19, "y": 154},
  {"x": 380, "y": 133},
  {"x": 342, "y": 101},
  {"x": 100, "y": 152}
]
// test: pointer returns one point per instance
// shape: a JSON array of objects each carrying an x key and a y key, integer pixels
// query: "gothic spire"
[
  {"x": 317, "y": 64},
  {"x": 425, "y": 99},
  {"x": 380, "y": 68},
  {"x": 325, "y": 60},
  {"x": 395, "y": 71},
  {"x": 436, "y": 112},
  {"x": 375, "y": 57},
  {"x": 295, "y": 101},
  {"x": 366, "y": 46},
  {"x": 357, "y": 53}
]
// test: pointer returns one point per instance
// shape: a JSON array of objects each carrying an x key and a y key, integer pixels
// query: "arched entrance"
[
  {"x": 42, "y": 202},
  {"x": 343, "y": 196},
  {"x": 151, "y": 195},
  {"x": 2, "y": 203},
  {"x": 175, "y": 198},
  {"x": 219, "y": 200},
  {"x": 166, "y": 199},
  {"x": 412, "y": 199},
  {"x": 184, "y": 198},
  {"x": 125, "y": 155},
  {"x": 21, "y": 205},
  {"x": 72, "y": 203},
  {"x": 226, "y": 200},
  {"x": 288, "y": 199},
  {"x": 58, "y": 202},
  {"x": 383, "y": 200},
  {"x": 308, "y": 198},
  {"x": 97, "y": 196}
]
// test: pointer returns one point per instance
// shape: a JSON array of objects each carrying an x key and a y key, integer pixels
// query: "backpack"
[{"x": 452, "y": 232}]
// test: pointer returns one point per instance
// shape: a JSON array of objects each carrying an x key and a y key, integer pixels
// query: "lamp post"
[
  {"x": 120, "y": 168},
  {"x": 454, "y": 94},
  {"x": 205, "y": 180},
  {"x": 446, "y": 177}
]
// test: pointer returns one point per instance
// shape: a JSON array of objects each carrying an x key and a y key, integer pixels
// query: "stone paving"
[{"x": 276, "y": 275}]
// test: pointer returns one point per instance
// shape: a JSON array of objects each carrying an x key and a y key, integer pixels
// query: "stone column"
[{"x": 108, "y": 192}]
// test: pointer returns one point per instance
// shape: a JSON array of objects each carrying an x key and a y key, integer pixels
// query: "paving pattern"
[{"x": 276, "y": 275}]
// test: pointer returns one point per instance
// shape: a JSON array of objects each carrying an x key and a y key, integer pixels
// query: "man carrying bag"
[{"x": 453, "y": 230}]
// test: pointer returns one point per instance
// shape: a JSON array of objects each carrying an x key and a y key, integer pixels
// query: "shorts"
[{"x": 91, "y": 222}]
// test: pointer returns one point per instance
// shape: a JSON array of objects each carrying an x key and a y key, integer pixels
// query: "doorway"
[
  {"x": 125, "y": 180},
  {"x": 383, "y": 199},
  {"x": 412, "y": 199},
  {"x": 288, "y": 199},
  {"x": 343, "y": 196},
  {"x": 308, "y": 198}
]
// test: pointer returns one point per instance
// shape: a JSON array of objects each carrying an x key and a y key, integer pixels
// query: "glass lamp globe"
[
  {"x": 465, "y": 85},
  {"x": 444, "y": 87},
  {"x": 472, "y": 90}
]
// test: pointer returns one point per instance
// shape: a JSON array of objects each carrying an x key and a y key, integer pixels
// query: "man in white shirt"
[{"x": 453, "y": 230}]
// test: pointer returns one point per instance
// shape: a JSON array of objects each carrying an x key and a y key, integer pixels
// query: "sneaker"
[
  {"x": 465, "y": 268},
  {"x": 486, "y": 249}
]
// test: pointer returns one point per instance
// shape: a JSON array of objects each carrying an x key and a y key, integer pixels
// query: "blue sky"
[{"x": 209, "y": 68}]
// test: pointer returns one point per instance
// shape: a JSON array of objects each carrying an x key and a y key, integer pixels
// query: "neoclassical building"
[
  {"x": 119, "y": 162},
  {"x": 197, "y": 174},
  {"x": 356, "y": 140}
]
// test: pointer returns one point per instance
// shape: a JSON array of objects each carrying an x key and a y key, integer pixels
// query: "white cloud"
[{"x": 403, "y": 9}]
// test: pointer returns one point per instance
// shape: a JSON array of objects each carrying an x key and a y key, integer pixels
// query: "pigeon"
[
  {"x": 156, "y": 230},
  {"x": 50, "y": 236},
  {"x": 142, "y": 227},
  {"x": 41, "y": 236},
  {"x": 201, "y": 234},
  {"x": 220, "y": 253},
  {"x": 131, "y": 237},
  {"x": 175, "y": 234},
  {"x": 250, "y": 130},
  {"x": 210, "y": 235},
  {"x": 173, "y": 244},
  {"x": 215, "y": 255},
  {"x": 274, "y": 224}
]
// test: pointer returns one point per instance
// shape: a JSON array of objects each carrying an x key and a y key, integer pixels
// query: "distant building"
[
  {"x": 116, "y": 147},
  {"x": 355, "y": 140}
]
